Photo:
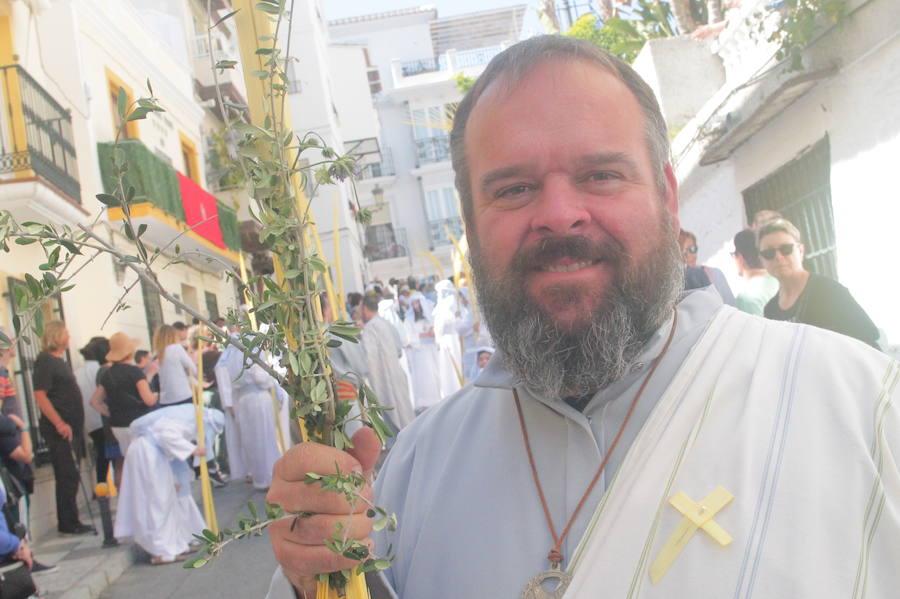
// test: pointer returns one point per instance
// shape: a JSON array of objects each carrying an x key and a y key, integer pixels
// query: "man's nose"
[{"x": 560, "y": 208}]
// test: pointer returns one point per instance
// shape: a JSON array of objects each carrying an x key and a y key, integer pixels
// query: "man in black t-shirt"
[{"x": 62, "y": 420}]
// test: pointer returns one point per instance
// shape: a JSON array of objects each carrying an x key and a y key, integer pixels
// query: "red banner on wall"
[{"x": 200, "y": 211}]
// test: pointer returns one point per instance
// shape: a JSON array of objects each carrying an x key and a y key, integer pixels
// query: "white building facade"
[
  {"x": 62, "y": 66},
  {"x": 414, "y": 58},
  {"x": 817, "y": 144}
]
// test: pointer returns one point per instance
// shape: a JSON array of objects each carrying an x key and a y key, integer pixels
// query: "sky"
[{"x": 338, "y": 9}]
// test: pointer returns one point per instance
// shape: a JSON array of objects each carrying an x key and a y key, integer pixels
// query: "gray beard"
[{"x": 556, "y": 362}]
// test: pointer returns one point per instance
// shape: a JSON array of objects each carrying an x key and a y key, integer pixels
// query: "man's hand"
[
  {"x": 64, "y": 430},
  {"x": 301, "y": 551},
  {"x": 23, "y": 553},
  {"x": 199, "y": 451}
]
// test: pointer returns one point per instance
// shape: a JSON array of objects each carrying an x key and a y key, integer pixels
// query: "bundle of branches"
[{"x": 269, "y": 156}]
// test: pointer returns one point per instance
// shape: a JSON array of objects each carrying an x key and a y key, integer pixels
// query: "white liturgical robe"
[
  {"x": 383, "y": 352},
  {"x": 155, "y": 504},
  {"x": 796, "y": 423}
]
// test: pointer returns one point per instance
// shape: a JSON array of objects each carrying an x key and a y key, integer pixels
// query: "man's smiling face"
[{"x": 565, "y": 200}]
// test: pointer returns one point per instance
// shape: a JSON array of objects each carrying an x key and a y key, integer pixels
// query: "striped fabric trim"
[
  {"x": 638, "y": 577},
  {"x": 771, "y": 472},
  {"x": 875, "y": 506}
]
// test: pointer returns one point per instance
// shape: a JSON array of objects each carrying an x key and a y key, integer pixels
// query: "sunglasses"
[
  {"x": 785, "y": 250},
  {"x": 691, "y": 249}
]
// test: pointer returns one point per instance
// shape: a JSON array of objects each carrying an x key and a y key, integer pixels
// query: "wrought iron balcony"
[
  {"x": 384, "y": 242},
  {"x": 40, "y": 133},
  {"x": 438, "y": 231},
  {"x": 423, "y": 65},
  {"x": 373, "y": 170},
  {"x": 433, "y": 149}
]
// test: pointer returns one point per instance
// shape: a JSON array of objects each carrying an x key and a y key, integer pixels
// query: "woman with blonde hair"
[
  {"x": 176, "y": 369},
  {"x": 62, "y": 420}
]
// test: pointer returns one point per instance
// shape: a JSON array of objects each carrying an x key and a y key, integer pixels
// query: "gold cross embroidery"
[{"x": 696, "y": 515}]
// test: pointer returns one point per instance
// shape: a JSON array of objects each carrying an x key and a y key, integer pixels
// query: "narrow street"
[{"x": 243, "y": 570}]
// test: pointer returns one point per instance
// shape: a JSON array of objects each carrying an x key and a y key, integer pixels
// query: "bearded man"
[{"x": 628, "y": 439}]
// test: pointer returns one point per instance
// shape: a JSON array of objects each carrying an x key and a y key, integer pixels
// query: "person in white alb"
[
  {"x": 627, "y": 439},
  {"x": 155, "y": 506}
]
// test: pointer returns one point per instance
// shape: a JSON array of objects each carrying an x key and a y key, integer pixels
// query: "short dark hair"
[
  {"x": 370, "y": 301},
  {"x": 745, "y": 247},
  {"x": 140, "y": 355},
  {"x": 353, "y": 298},
  {"x": 96, "y": 349},
  {"x": 178, "y": 325},
  {"x": 517, "y": 61}
]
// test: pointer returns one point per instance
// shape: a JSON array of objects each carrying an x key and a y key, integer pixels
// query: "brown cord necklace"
[{"x": 535, "y": 588}]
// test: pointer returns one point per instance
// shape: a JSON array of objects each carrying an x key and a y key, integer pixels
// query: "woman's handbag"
[{"x": 16, "y": 581}]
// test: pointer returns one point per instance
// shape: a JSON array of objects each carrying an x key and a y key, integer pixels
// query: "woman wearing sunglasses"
[{"x": 804, "y": 296}]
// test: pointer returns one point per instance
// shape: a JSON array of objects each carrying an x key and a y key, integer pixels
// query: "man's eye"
[
  {"x": 512, "y": 191},
  {"x": 601, "y": 176}
]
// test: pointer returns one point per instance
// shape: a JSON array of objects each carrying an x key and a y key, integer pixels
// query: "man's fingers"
[
  {"x": 290, "y": 490},
  {"x": 366, "y": 448},
  {"x": 302, "y": 497},
  {"x": 314, "y": 530},
  {"x": 301, "y": 561},
  {"x": 313, "y": 457}
]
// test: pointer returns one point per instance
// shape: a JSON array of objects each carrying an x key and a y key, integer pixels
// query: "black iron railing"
[
  {"x": 422, "y": 65},
  {"x": 433, "y": 149},
  {"x": 385, "y": 168},
  {"x": 40, "y": 132},
  {"x": 384, "y": 242}
]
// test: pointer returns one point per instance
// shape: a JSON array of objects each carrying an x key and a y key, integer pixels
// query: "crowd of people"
[{"x": 775, "y": 283}]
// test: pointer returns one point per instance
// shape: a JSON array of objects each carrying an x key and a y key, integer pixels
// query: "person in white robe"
[
  {"x": 256, "y": 417},
  {"x": 422, "y": 353},
  {"x": 155, "y": 504},
  {"x": 391, "y": 310},
  {"x": 383, "y": 350},
  {"x": 451, "y": 324},
  {"x": 227, "y": 369}
]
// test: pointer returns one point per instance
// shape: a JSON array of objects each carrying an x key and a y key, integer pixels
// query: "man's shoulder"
[{"x": 821, "y": 345}]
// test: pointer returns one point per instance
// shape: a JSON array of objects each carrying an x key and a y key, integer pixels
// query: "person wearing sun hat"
[{"x": 123, "y": 393}]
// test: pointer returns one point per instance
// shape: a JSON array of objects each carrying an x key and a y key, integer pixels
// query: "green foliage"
[
  {"x": 625, "y": 37},
  {"x": 463, "y": 82},
  {"x": 153, "y": 179},
  {"x": 228, "y": 222},
  {"x": 273, "y": 163},
  {"x": 801, "y": 21},
  {"x": 221, "y": 171}
]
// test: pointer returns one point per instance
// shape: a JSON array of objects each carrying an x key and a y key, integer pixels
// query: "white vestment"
[
  {"x": 155, "y": 505},
  {"x": 806, "y": 440},
  {"x": 383, "y": 352},
  {"x": 451, "y": 323},
  {"x": 227, "y": 370},
  {"x": 422, "y": 353},
  {"x": 390, "y": 310},
  {"x": 256, "y": 418},
  {"x": 423, "y": 366},
  {"x": 787, "y": 418}
]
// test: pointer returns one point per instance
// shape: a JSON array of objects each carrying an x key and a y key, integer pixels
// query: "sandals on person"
[{"x": 159, "y": 560}]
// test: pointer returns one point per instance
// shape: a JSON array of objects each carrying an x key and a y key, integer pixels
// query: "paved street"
[{"x": 243, "y": 570}]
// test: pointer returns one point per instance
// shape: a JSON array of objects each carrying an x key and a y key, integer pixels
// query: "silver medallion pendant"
[{"x": 554, "y": 578}]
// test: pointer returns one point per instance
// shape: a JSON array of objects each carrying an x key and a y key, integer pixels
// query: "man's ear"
[{"x": 670, "y": 196}]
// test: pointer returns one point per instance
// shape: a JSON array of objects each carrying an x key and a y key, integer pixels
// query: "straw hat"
[{"x": 121, "y": 346}]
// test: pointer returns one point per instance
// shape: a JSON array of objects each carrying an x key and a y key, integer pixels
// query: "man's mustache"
[{"x": 575, "y": 247}]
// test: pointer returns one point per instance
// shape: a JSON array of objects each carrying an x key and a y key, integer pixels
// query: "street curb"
[{"x": 94, "y": 583}]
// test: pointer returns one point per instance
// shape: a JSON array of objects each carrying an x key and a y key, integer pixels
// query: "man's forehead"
[{"x": 555, "y": 70}]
